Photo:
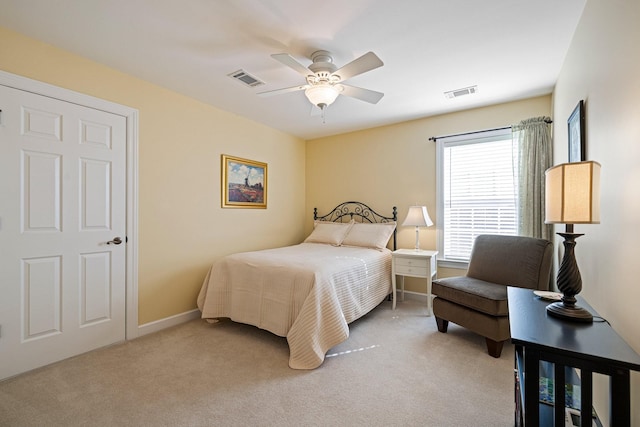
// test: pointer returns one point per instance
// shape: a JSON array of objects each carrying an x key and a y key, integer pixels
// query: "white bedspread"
[{"x": 308, "y": 293}]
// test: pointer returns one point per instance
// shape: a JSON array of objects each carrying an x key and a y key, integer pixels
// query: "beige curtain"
[{"x": 532, "y": 140}]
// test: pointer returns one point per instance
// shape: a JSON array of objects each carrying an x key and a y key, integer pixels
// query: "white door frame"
[{"x": 131, "y": 115}]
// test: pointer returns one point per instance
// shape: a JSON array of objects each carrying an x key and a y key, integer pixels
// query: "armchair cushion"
[
  {"x": 519, "y": 261},
  {"x": 479, "y": 295}
]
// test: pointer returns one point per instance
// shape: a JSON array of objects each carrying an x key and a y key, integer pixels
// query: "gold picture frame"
[{"x": 244, "y": 183}]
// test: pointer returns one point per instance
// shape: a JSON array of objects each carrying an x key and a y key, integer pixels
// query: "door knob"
[{"x": 115, "y": 241}]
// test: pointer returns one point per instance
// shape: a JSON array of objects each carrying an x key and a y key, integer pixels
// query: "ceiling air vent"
[
  {"x": 461, "y": 92},
  {"x": 246, "y": 78}
]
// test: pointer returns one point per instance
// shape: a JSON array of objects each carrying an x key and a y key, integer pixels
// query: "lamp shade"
[
  {"x": 418, "y": 217},
  {"x": 572, "y": 194},
  {"x": 322, "y": 95}
]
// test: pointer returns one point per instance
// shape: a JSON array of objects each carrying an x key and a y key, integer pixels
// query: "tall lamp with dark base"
[{"x": 572, "y": 196}]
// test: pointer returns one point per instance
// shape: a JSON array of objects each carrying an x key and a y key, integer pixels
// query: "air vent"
[
  {"x": 246, "y": 78},
  {"x": 461, "y": 92}
]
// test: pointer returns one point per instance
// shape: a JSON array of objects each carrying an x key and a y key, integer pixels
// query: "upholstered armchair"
[{"x": 478, "y": 300}]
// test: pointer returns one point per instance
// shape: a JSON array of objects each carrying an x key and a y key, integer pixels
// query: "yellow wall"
[
  {"x": 182, "y": 228},
  {"x": 603, "y": 68},
  {"x": 396, "y": 166}
]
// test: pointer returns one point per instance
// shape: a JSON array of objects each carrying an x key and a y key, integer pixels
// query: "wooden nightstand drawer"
[
  {"x": 411, "y": 262},
  {"x": 407, "y": 270}
]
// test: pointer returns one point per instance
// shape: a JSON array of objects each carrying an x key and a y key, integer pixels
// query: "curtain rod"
[{"x": 434, "y": 138}]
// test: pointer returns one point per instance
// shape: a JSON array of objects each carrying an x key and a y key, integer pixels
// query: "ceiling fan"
[{"x": 325, "y": 80}]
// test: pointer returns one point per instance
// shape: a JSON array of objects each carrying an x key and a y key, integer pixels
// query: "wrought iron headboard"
[{"x": 346, "y": 211}]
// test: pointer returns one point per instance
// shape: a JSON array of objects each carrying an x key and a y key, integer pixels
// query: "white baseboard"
[{"x": 167, "y": 322}]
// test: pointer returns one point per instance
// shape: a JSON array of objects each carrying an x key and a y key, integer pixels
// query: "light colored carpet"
[{"x": 395, "y": 369}]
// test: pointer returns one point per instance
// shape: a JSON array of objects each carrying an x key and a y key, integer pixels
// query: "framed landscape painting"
[{"x": 244, "y": 183}]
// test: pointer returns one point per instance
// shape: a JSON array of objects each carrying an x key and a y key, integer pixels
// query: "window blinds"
[{"x": 478, "y": 192}]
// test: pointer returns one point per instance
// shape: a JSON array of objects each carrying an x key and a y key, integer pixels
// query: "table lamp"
[
  {"x": 417, "y": 217},
  {"x": 572, "y": 196}
]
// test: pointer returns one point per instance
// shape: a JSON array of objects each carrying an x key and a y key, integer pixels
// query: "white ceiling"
[{"x": 510, "y": 49}]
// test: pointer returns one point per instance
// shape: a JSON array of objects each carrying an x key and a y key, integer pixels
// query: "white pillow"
[
  {"x": 331, "y": 233},
  {"x": 375, "y": 236}
]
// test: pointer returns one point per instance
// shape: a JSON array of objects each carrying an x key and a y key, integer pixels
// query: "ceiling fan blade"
[
  {"x": 283, "y": 90},
  {"x": 367, "y": 62},
  {"x": 290, "y": 62},
  {"x": 367, "y": 95}
]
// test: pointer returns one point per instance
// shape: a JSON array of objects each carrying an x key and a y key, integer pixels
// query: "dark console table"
[{"x": 547, "y": 346}]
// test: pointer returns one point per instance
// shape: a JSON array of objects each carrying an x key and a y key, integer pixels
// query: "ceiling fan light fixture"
[{"x": 322, "y": 95}]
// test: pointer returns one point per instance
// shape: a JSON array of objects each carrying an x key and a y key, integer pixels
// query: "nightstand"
[{"x": 413, "y": 263}]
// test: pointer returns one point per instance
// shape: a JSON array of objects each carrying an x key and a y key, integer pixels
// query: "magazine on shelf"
[{"x": 571, "y": 395}]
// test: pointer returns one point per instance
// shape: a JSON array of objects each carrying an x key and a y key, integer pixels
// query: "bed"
[{"x": 310, "y": 292}]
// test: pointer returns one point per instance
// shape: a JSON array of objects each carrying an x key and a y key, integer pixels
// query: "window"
[{"x": 477, "y": 191}]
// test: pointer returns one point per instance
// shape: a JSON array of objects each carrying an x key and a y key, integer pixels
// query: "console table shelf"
[{"x": 547, "y": 347}]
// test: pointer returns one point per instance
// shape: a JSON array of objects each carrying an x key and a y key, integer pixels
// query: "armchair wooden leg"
[
  {"x": 442, "y": 325},
  {"x": 494, "y": 348}
]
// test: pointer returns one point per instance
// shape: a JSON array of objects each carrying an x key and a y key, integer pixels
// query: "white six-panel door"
[{"x": 62, "y": 199}]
